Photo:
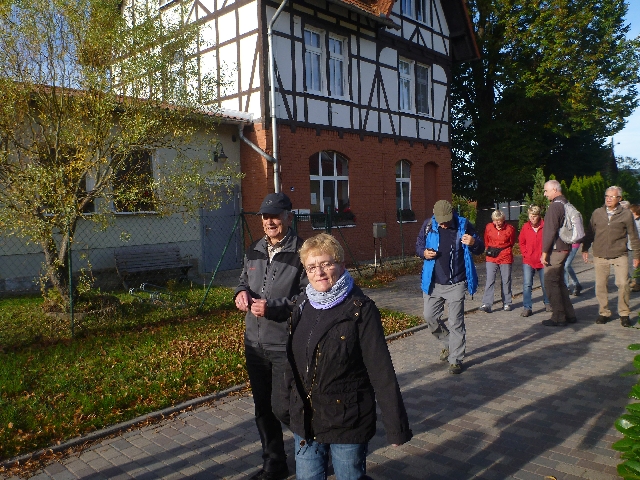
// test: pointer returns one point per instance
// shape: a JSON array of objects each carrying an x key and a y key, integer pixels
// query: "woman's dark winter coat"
[{"x": 335, "y": 402}]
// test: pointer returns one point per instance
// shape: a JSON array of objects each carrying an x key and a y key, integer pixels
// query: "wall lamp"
[{"x": 218, "y": 154}]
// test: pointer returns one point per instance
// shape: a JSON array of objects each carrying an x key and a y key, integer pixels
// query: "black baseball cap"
[{"x": 275, "y": 203}]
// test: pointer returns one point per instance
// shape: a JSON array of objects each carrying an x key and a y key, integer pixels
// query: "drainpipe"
[
  {"x": 261, "y": 152},
  {"x": 272, "y": 98}
]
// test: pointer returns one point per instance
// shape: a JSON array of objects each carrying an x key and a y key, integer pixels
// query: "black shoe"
[
  {"x": 571, "y": 319},
  {"x": 485, "y": 308},
  {"x": 601, "y": 320},
  {"x": 455, "y": 369},
  {"x": 282, "y": 474},
  {"x": 625, "y": 322},
  {"x": 577, "y": 290},
  {"x": 553, "y": 323}
]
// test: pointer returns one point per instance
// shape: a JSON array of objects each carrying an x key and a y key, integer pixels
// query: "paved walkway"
[{"x": 533, "y": 401}]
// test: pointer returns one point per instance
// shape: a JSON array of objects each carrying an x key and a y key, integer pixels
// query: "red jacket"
[
  {"x": 501, "y": 239},
  {"x": 531, "y": 245}
]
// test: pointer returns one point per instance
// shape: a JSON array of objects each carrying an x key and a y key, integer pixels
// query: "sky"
[{"x": 627, "y": 141}]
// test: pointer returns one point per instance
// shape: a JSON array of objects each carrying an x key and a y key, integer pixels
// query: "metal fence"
[{"x": 212, "y": 242}]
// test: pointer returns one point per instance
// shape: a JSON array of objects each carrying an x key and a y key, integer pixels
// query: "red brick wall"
[{"x": 372, "y": 187}]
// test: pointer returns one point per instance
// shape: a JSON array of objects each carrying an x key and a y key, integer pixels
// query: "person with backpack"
[
  {"x": 554, "y": 254},
  {"x": 610, "y": 228}
]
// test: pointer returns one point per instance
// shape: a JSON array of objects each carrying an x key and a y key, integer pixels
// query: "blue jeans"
[
  {"x": 570, "y": 278},
  {"x": 312, "y": 459},
  {"x": 528, "y": 273}
]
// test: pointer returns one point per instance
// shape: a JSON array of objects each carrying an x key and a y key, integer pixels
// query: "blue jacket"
[{"x": 429, "y": 237}]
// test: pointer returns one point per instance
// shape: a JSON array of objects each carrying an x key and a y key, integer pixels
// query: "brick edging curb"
[{"x": 119, "y": 427}]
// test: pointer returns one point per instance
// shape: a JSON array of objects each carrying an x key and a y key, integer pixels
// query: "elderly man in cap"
[
  {"x": 271, "y": 277},
  {"x": 446, "y": 243}
]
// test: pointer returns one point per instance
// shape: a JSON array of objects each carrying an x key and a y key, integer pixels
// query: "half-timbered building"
[{"x": 362, "y": 104}]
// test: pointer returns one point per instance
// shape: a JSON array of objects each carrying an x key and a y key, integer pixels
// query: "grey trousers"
[
  {"x": 505, "y": 276},
  {"x": 453, "y": 336}
]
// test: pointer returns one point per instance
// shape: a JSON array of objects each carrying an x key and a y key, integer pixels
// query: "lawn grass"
[{"x": 143, "y": 358}]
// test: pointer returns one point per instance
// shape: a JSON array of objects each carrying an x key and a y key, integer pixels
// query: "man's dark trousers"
[
  {"x": 266, "y": 370},
  {"x": 556, "y": 288}
]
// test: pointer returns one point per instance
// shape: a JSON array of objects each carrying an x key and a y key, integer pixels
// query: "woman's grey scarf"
[{"x": 339, "y": 291}]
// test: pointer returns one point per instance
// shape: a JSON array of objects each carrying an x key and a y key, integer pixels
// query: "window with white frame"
[
  {"x": 405, "y": 71},
  {"x": 417, "y": 9},
  {"x": 406, "y": 7},
  {"x": 313, "y": 60},
  {"x": 422, "y": 89},
  {"x": 329, "y": 179},
  {"x": 403, "y": 185},
  {"x": 422, "y": 11},
  {"x": 336, "y": 66}
]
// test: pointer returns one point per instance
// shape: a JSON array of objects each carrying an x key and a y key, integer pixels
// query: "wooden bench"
[{"x": 150, "y": 262}]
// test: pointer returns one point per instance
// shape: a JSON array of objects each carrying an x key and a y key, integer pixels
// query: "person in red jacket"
[
  {"x": 531, "y": 247},
  {"x": 499, "y": 238}
]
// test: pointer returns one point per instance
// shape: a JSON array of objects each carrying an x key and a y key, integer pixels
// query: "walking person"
[
  {"x": 499, "y": 238},
  {"x": 446, "y": 242},
  {"x": 610, "y": 228},
  {"x": 271, "y": 277},
  {"x": 570, "y": 277},
  {"x": 530, "y": 240},
  {"x": 553, "y": 257},
  {"x": 635, "y": 211},
  {"x": 339, "y": 369}
]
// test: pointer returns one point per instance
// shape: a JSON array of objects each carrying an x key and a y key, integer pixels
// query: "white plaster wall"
[
  {"x": 439, "y": 74},
  {"x": 282, "y": 49},
  {"x": 367, "y": 49},
  {"x": 248, "y": 15},
  {"x": 367, "y": 72},
  {"x": 425, "y": 129},
  {"x": 439, "y": 102},
  {"x": 318, "y": 112},
  {"x": 282, "y": 23},
  {"x": 408, "y": 126},
  {"x": 228, "y": 58},
  {"x": 372, "y": 121},
  {"x": 340, "y": 116},
  {"x": 390, "y": 80},
  {"x": 248, "y": 47},
  {"x": 227, "y": 27},
  {"x": 385, "y": 124},
  {"x": 388, "y": 56}
]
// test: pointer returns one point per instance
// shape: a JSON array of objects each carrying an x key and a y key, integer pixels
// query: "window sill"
[
  {"x": 407, "y": 221},
  {"x": 349, "y": 225}
]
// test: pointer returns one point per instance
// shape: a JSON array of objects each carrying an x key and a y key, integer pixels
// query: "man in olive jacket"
[
  {"x": 272, "y": 275},
  {"x": 610, "y": 228}
]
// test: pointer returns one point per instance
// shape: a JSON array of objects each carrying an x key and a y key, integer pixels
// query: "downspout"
[
  {"x": 261, "y": 152},
  {"x": 272, "y": 98}
]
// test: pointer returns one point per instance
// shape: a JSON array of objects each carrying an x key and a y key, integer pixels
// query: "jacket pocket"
[{"x": 337, "y": 410}]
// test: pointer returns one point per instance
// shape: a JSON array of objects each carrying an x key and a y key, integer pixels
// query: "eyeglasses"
[
  {"x": 324, "y": 266},
  {"x": 611, "y": 196}
]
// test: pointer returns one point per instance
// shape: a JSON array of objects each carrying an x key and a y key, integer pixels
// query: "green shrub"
[{"x": 629, "y": 425}]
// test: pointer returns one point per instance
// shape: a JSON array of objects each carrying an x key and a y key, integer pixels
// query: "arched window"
[{"x": 329, "y": 176}]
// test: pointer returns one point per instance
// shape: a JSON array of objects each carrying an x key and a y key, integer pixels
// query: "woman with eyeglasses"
[{"x": 339, "y": 368}]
